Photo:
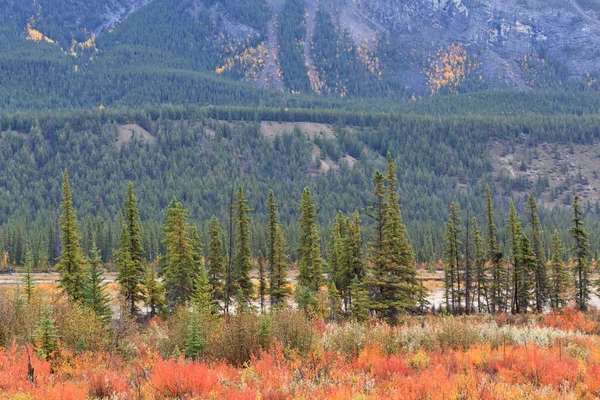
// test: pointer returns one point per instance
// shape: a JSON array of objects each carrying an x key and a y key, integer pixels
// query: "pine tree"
[
  {"x": 28, "y": 276},
  {"x": 46, "y": 336},
  {"x": 95, "y": 297},
  {"x": 453, "y": 255},
  {"x": 581, "y": 253},
  {"x": 71, "y": 264},
  {"x": 216, "y": 261},
  {"x": 243, "y": 254},
  {"x": 278, "y": 283},
  {"x": 179, "y": 270},
  {"x": 393, "y": 279},
  {"x": 262, "y": 282},
  {"x": 309, "y": 252},
  {"x": 497, "y": 300},
  {"x": 359, "y": 308},
  {"x": 130, "y": 271},
  {"x": 559, "y": 276},
  {"x": 540, "y": 275}
]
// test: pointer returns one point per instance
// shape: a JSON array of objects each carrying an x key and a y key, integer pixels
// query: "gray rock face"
[{"x": 501, "y": 32}]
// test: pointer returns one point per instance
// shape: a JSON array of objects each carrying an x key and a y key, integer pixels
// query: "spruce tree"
[
  {"x": 273, "y": 211},
  {"x": 195, "y": 340},
  {"x": 179, "y": 270},
  {"x": 498, "y": 273},
  {"x": 71, "y": 264},
  {"x": 95, "y": 296},
  {"x": 202, "y": 299},
  {"x": 540, "y": 275},
  {"x": 130, "y": 271},
  {"x": 309, "y": 252},
  {"x": 335, "y": 302},
  {"x": 581, "y": 254},
  {"x": 559, "y": 276},
  {"x": 28, "y": 275},
  {"x": 336, "y": 257},
  {"x": 46, "y": 336},
  {"x": 197, "y": 248},
  {"x": 154, "y": 291},
  {"x": 215, "y": 261},
  {"x": 262, "y": 282},
  {"x": 359, "y": 307},
  {"x": 354, "y": 262},
  {"x": 279, "y": 288},
  {"x": 453, "y": 256},
  {"x": 393, "y": 279},
  {"x": 481, "y": 273},
  {"x": 243, "y": 253}
]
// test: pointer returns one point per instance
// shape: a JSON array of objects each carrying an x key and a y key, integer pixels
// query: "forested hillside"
[{"x": 198, "y": 155}]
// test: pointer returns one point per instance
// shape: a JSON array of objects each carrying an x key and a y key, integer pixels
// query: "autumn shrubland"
[{"x": 284, "y": 354}]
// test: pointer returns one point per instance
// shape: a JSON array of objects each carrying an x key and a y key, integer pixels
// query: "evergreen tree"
[
  {"x": 354, "y": 262},
  {"x": 581, "y": 253},
  {"x": 130, "y": 271},
  {"x": 46, "y": 336},
  {"x": 262, "y": 282},
  {"x": 179, "y": 270},
  {"x": 309, "y": 252},
  {"x": 423, "y": 304},
  {"x": 197, "y": 248},
  {"x": 272, "y": 228},
  {"x": 393, "y": 279},
  {"x": 278, "y": 283},
  {"x": 481, "y": 273},
  {"x": 559, "y": 276},
  {"x": 452, "y": 254},
  {"x": 203, "y": 299},
  {"x": 335, "y": 302},
  {"x": 28, "y": 275},
  {"x": 540, "y": 275},
  {"x": 243, "y": 254},
  {"x": 195, "y": 340},
  {"x": 95, "y": 296},
  {"x": 154, "y": 292},
  {"x": 216, "y": 261},
  {"x": 497, "y": 301},
  {"x": 359, "y": 307},
  {"x": 71, "y": 264},
  {"x": 336, "y": 257}
]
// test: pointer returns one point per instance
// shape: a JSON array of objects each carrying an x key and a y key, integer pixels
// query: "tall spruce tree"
[
  {"x": 71, "y": 264},
  {"x": 481, "y": 273},
  {"x": 95, "y": 296},
  {"x": 309, "y": 252},
  {"x": 179, "y": 270},
  {"x": 130, "y": 271},
  {"x": 581, "y": 254},
  {"x": 215, "y": 261},
  {"x": 559, "y": 276},
  {"x": 453, "y": 256},
  {"x": 243, "y": 253},
  {"x": 262, "y": 282},
  {"x": 393, "y": 279},
  {"x": 540, "y": 274},
  {"x": 279, "y": 288},
  {"x": 498, "y": 273}
]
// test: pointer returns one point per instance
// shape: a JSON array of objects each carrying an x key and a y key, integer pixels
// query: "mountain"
[{"x": 123, "y": 52}]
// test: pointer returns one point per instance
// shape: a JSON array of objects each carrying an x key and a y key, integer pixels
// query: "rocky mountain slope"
[{"x": 342, "y": 47}]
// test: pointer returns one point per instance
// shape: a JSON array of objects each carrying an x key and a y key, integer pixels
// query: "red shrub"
[{"x": 179, "y": 378}]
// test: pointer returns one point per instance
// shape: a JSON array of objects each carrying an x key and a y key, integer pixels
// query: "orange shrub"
[{"x": 179, "y": 378}]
